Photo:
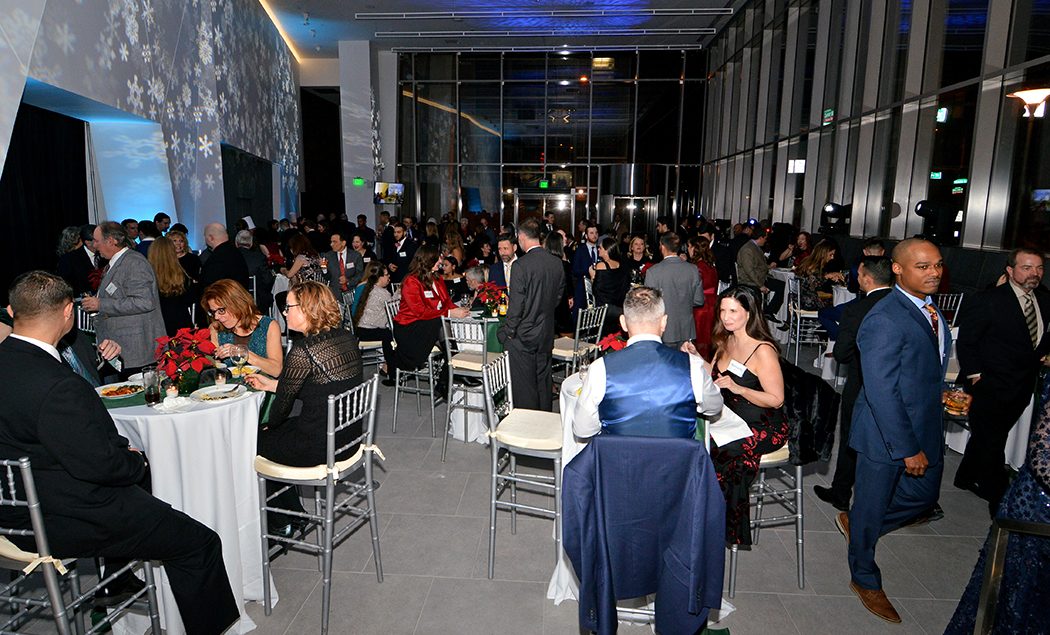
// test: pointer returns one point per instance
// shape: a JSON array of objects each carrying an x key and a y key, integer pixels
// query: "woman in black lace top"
[{"x": 327, "y": 361}]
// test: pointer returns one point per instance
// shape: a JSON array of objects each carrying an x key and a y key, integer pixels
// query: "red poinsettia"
[
  {"x": 613, "y": 342},
  {"x": 187, "y": 350},
  {"x": 492, "y": 295}
]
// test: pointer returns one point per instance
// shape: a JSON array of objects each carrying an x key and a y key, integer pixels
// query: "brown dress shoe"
[
  {"x": 875, "y": 600},
  {"x": 842, "y": 522}
]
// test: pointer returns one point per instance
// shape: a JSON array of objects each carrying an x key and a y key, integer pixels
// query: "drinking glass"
[
  {"x": 239, "y": 356},
  {"x": 582, "y": 368},
  {"x": 151, "y": 386}
]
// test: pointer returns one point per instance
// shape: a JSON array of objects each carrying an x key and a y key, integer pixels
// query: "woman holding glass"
[{"x": 237, "y": 322}]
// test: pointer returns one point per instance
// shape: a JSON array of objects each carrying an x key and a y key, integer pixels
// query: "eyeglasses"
[
  {"x": 219, "y": 311},
  {"x": 288, "y": 306}
]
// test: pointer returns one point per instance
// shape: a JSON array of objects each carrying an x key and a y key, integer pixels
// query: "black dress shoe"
[
  {"x": 829, "y": 496},
  {"x": 389, "y": 382},
  {"x": 118, "y": 590}
]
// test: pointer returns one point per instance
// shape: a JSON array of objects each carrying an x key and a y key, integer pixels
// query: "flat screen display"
[{"x": 389, "y": 193}]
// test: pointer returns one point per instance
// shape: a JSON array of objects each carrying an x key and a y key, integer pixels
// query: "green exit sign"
[
  {"x": 829, "y": 116},
  {"x": 544, "y": 184},
  {"x": 359, "y": 182},
  {"x": 936, "y": 176}
]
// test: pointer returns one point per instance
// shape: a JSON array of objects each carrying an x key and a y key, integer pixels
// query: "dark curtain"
[
  {"x": 248, "y": 187},
  {"x": 42, "y": 190}
]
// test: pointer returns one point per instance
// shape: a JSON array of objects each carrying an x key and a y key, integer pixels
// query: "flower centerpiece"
[
  {"x": 492, "y": 296},
  {"x": 184, "y": 356},
  {"x": 613, "y": 342}
]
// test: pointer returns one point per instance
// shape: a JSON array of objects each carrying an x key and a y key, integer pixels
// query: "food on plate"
[
  {"x": 244, "y": 371},
  {"x": 122, "y": 390}
]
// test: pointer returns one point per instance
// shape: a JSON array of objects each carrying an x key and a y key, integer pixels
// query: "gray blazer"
[
  {"x": 752, "y": 267},
  {"x": 355, "y": 270},
  {"x": 679, "y": 283},
  {"x": 129, "y": 309}
]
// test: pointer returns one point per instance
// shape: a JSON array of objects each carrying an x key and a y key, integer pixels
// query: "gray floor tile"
[
  {"x": 841, "y": 614},
  {"x": 431, "y": 545},
  {"x": 420, "y": 492},
  {"x": 528, "y": 555},
  {"x": 352, "y": 555},
  {"x": 460, "y": 457},
  {"x": 402, "y": 453},
  {"x": 767, "y": 568},
  {"x": 294, "y": 587},
  {"x": 964, "y": 515},
  {"x": 362, "y": 606},
  {"x": 932, "y": 615},
  {"x": 942, "y": 564},
  {"x": 758, "y": 613},
  {"x": 483, "y": 607}
]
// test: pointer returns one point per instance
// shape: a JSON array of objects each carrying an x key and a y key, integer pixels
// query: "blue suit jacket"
[
  {"x": 644, "y": 515},
  {"x": 496, "y": 273},
  {"x": 898, "y": 411},
  {"x": 581, "y": 263}
]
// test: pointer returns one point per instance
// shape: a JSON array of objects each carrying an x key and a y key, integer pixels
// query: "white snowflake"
[
  {"x": 209, "y": 180},
  {"x": 205, "y": 145},
  {"x": 146, "y": 57},
  {"x": 131, "y": 23},
  {"x": 156, "y": 89},
  {"x": 64, "y": 38},
  {"x": 197, "y": 70},
  {"x": 195, "y": 187},
  {"x": 135, "y": 92},
  {"x": 204, "y": 46},
  {"x": 123, "y": 52},
  {"x": 174, "y": 142},
  {"x": 148, "y": 15},
  {"x": 224, "y": 106},
  {"x": 153, "y": 112},
  {"x": 198, "y": 115}
]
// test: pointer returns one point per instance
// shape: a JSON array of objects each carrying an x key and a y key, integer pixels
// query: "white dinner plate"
[
  {"x": 101, "y": 390},
  {"x": 218, "y": 392}
]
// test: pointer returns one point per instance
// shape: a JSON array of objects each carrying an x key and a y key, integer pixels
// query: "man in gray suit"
[
  {"x": 346, "y": 267},
  {"x": 127, "y": 303},
  {"x": 679, "y": 283}
]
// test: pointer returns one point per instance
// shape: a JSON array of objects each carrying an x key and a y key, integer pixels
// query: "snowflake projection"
[
  {"x": 209, "y": 181},
  {"x": 205, "y": 145},
  {"x": 195, "y": 187},
  {"x": 135, "y": 93},
  {"x": 377, "y": 148},
  {"x": 64, "y": 38},
  {"x": 156, "y": 89},
  {"x": 204, "y": 44},
  {"x": 131, "y": 22},
  {"x": 123, "y": 51}
]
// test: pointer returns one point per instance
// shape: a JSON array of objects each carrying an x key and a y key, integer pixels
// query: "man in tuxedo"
[
  {"x": 904, "y": 343},
  {"x": 499, "y": 272},
  {"x": 82, "y": 268},
  {"x": 875, "y": 277},
  {"x": 676, "y": 386},
  {"x": 679, "y": 283},
  {"x": 147, "y": 234},
  {"x": 548, "y": 224},
  {"x": 131, "y": 227},
  {"x": 128, "y": 303},
  {"x": 409, "y": 223},
  {"x": 225, "y": 262},
  {"x": 586, "y": 255},
  {"x": 400, "y": 256},
  {"x": 528, "y": 332},
  {"x": 88, "y": 478},
  {"x": 345, "y": 266},
  {"x": 1001, "y": 341}
]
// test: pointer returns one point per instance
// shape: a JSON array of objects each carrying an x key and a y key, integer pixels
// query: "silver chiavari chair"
[{"x": 429, "y": 372}]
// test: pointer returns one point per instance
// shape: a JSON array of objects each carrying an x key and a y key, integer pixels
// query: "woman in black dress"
[
  {"x": 325, "y": 361},
  {"x": 636, "y": 259},
  {"x": 609, "y": 282},
  {"x": 189, "y": 261},
  {"x": 746, "y": 366}
]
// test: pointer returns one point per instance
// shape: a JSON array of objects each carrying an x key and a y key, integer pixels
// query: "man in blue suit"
[
  {"x": 499, "y": 272},
  {"x": 585, "y": 256},
  {"x": 896, "y": 430}
]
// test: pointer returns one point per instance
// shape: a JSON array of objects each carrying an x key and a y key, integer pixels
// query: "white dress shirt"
[
  {"x": 586, "y": 422},
  {"x": 116, "y": 257},
  {"x": 44, "y": 346}
]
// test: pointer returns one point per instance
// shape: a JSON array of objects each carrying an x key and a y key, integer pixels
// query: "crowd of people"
[{"x": 692, "y": 350}]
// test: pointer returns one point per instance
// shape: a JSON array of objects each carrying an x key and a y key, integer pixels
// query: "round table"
[{"x": 202, "y": 463}]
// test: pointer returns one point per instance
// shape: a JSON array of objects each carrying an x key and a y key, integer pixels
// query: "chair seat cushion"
[
  {"x": 266, "y": 467},
  {"x": 370, "y": 345},
  {"x": 530, "y": 429},
  {"x": 564, "y": 346},
  {"x": 468, "y": 361},
  {"x": 781, "y": 455}
]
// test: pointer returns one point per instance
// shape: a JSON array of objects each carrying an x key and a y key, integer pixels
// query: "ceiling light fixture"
[
  {"x": 381, "y": 35},
  {"x": 1033, "y": 99},
  {"x": 539, "y": 13},
  {"x": 280, "y": 29}
]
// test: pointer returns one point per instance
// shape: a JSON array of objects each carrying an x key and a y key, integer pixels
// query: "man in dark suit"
[
  {"x": 384, "y": 236},
  {"x": 528, "y": 332},
  {"x": 875, "y": 277},
  {"x": 225, "y": 262},
  {"x": 86, "y": 475},
  {"x": 345, "y": 266},
  {"x": 367, "y": 234},
  {"x": 586, "y": 255},
  {"x": 499, "y": 272},
  {"x": 1001, "y": 341},
  {"x": 82, "y": 268},
  {"x": 400, "y": 256},
  {"x": 904, "y": 344}
]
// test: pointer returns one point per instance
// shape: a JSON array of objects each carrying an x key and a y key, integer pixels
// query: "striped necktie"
[
  {"x": 75, "y": 363},
  {"x": 934, "y": 319},
  {"x": 1030, "y": 319}
]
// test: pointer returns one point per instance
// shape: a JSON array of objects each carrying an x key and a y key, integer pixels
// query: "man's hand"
[
  {"x": 392, "y": 267},
  {"x": 89, "y": 304},
  {"x": 109, "y": 349},
  {"x": 916, "y": 465},
  {"x": 570, "y": 303},
  {"x": 764, "y": 289},
  {"x": 459, "y": 312}
]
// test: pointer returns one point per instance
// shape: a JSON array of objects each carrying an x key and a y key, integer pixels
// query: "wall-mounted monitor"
[{"x": 389, "y": 193}]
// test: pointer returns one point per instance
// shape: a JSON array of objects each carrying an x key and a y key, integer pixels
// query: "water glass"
[{"x": 151, "y": 380}]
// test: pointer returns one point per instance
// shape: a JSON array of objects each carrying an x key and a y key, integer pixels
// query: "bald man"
[
  {"x": 225, "y": 262},
  {"x": 904, "y": 343}
]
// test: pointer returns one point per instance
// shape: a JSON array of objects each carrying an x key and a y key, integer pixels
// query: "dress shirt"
[
  {"x": 44, "y": 346},
  {"x": 90, "y": 254},
  {"x": 920, "y": 303},
  {"x": 506, "y": 271},
  {"x": 1021, "y": 293},
  {"x": 116, "y": 257},
  {"x": 586, "y": 422}
]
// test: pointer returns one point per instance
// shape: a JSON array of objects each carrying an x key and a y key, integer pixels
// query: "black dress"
[
  {"x": 175, "y": 309},
  {"x": 318, "y": 365},
  {"x": 736, "y": 463},
  {"x": 610, "y": 288},
  {"x": 191, "y": 264}
]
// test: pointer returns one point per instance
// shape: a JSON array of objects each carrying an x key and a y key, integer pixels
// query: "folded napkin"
[{"x": 175, "y": 404}]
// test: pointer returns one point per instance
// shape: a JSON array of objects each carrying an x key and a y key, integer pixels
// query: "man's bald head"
[
  {"x": 918, "y": 266},
  {"x": 215, "y": 234}
]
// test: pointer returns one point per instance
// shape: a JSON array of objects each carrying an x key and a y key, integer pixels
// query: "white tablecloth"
[
  {"x": 201, "y": 463},
  {"x": 475, "y": 421},
  {"x": 563, "y": 584},
  {"x": 829, "y": 368}
]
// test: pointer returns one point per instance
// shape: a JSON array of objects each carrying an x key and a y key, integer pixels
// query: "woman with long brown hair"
[
  {"x": 746, "y": 366},
  {"x": 424, "y": 301},
  {"x": 814, "y": 282},
  {"x": 189, "y": 261},
  {"x": 369, "y": 311},
  {"x": 700, "y": 254},
  {"x": 175, "y": 287},
  {"x": 237, "y": 321},
  {"x": 454, "y": 244}
]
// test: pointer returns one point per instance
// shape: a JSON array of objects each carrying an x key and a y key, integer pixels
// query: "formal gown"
[
  {"x": 736, "y": 463},
  {"x": 704, "y": 316},
  {"x": 1024, "y": 593}
]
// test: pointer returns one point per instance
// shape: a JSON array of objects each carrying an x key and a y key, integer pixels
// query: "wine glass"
[{"x": 239, "y": 356}]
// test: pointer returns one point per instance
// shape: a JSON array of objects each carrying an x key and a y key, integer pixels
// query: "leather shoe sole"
[
  {"x": 827, "y": 495},
  {"x": 842, "y": 522},
  {"x": 877, "y": 603}
]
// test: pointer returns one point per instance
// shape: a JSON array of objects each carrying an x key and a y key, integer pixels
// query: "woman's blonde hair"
[
  {"x": 318, "y": 305},
  {"x": 171, "y": 277},
  {"x": 230, "y": 295},
  {"x": 814, "y": 263}
]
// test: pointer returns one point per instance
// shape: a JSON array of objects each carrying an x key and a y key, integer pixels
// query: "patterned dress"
[{"x": 736, "y": 463}]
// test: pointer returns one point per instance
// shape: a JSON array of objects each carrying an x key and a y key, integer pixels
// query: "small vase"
[{"x": 188, "y": 381}]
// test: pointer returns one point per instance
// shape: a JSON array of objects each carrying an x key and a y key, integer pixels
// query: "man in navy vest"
[{"x": 647, "y": 389}]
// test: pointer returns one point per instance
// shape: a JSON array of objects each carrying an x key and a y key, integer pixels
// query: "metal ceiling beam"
[
  {"x": 536, "y": 49},
  {"x": 539, "y": 13},
  {"x": 544, "y": 33}
]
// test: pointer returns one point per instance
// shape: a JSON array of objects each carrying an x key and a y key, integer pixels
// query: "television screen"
[{"x": 389, "y": 193}]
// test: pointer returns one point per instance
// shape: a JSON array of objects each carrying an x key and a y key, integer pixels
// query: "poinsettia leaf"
[{"x": 197, "y": 364}]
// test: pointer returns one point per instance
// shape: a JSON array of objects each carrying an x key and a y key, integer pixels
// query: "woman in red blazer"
[{"x": 424, "y": 301}]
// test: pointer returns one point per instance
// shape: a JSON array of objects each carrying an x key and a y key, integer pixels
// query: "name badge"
[
  {"x": 111, "y": 288},
  {"x": 428, "y": 294},
  {"x": 439, "y": 306},
  {"x": 402, "y": 254},
  {"x": 349, "y": 265},
  {"x": 455, "y": 280},
  {"x": 736, "y": 368},
  {"x": 365, "y": 260}
]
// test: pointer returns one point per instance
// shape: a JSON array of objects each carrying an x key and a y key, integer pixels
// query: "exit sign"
[
  {"x": 544, "y": 184},
  {"x": 829, "y": 116},
  {"x": 942, "y": 115},
  {"x": 359, "y": 182},
  {"x": 936, "y": 176}
]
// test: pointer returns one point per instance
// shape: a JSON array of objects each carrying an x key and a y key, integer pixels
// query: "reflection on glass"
[
  {"x": 438, "y": 190},
  {"x": 524, "y": 113},
  {"x": 658, "y": 114},
  {"x": 479, "y": 125},
  {"x": 436, "y": 123},
  {"x": 964, "y": 26},
  {"x": 613, "y": 127}
]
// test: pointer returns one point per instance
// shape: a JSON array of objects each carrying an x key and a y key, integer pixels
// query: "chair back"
[
  {"x": 588, "y": 292},
  {"x": 589, "y": 324},
  {"x": 395, "y": 288},
  {"x": 392, "y": 307},
  {"x": 499, "y": 400},
  {"x": 85, "y": 320},
  {"x": 253, "y": 286},
  {"x": 949, "y": 304},
  {"x": 793, "y": 292},
  {"x": 346, "y": 409},
  {"x": 465, "y": 335}
]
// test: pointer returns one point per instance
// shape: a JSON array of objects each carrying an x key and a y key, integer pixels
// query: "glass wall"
[
  {"x": 479, "y": 131},
  {"x": 878, "y": 106}
]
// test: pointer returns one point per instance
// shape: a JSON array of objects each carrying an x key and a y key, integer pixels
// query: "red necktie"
[
  {"x": 342, "y": 271},
  {"x": 932, "y": 310}
]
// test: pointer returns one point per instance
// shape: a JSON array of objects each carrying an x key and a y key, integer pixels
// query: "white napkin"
[
  {"x": 727, "y": 427},
  {"x": 175, "y": 404}
]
